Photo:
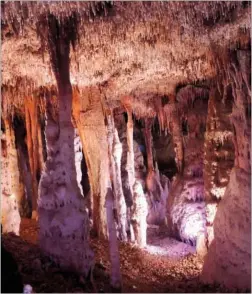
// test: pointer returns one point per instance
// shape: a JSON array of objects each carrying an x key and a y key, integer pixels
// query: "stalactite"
[
  {"x": 152, "y": 181},
  {"x": 63, "y": 216},
  {"x": 160, "y": 112},
  {"x": 34, "y": 148},
  {"x": 11, "y": 188},
  {"x": 174, "y": 127},
  {"x": 148, "y": 143}
]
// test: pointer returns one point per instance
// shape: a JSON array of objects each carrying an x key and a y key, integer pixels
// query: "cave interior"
[{"x": 125, "y": 146}]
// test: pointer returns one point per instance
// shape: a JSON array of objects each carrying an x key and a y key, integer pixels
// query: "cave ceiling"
[{"x": 123, "y": 48}]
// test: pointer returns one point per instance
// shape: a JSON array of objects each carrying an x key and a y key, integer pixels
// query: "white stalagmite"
[
  {"x": 120, "y": 200},
  {"x": 139, "y": 215},
  {"x": 115, "y": 155},
  {"x": 11, "y": 190}
]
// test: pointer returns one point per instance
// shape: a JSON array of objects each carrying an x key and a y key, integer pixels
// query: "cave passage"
[{"x": 125, "y": 147}]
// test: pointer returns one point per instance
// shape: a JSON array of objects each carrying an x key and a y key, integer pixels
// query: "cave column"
[
  {"x": 12, "y": 189},
  {"x": 115, "y": 154},
  {"x": 130, "y": 155},
  {"x": 89, "y": 120},
  {"x": 130, "y": 167},
  {"x": 63, "y": 217}
]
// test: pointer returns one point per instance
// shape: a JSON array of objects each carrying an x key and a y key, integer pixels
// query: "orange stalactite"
[
  {"x": 89, "y": 120},
  {"x": 34, "y": 146}
]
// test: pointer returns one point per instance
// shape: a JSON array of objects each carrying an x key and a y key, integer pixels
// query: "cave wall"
[
  {"x": 186, "y": 205},
  {"x": 229, "y": 258},
  {"x": 218, "y": 153}
]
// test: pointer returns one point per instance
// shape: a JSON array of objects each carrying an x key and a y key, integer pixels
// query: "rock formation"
[
  {"x": 11, "y": 187},
  {"x": 63, "y": 217},
  {"x": 154, "y": 99},
  {"x": 229, "y": 256}
]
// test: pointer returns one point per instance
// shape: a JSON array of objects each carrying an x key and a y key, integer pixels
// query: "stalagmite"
[
  {"x": 63, "y": 217},
  {"x": 115, "y": 154},
  {"x": 128, "y": 172},
  {"x": 78, "y": 158},
  {"x": 11, "y": 188},
  {"x": 27, "y": 182},
  {"x": 139, "y": 215},
  {"x": 115, "y": 278},
  {"x": 34, "y": 146}
]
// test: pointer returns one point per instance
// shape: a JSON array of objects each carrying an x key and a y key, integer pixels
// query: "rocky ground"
[{"x": 164, "y": 266}]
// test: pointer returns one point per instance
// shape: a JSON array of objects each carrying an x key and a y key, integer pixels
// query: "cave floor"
[{"x": 148, "y": 271}]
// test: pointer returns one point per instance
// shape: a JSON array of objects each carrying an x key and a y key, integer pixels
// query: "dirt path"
[{"x": 165, "y": 270}]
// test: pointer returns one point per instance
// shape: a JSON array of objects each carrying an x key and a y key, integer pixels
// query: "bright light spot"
[{"x": 169, "y": 247}]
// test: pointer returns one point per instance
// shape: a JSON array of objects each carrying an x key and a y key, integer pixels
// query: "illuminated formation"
[{"x": 128, "y": 124}]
